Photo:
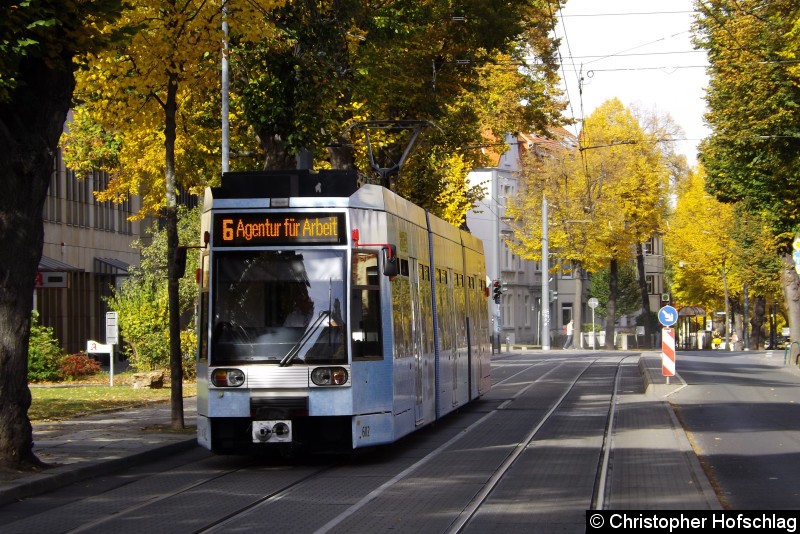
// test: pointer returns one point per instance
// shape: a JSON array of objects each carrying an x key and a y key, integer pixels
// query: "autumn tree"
[
  {"x": 699, "y": 247},
  {"x": 718, "y": 251},
  {"x": 630, "y": 165},
  {"x": 557, "y": 175},
  {"x": 39, "y": 40},
  {"x": 627, "y": 301},
  {"x": 459, "y": 65},
  {"x": 753, "y": 98},
  {"x": 146, "y": 97},
  {"x": 606, "y": 196},
  {"x": 759, "y": 270}
]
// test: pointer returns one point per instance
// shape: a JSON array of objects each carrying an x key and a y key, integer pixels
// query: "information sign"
[
  {"x": 112, "y": 330},
  {"x": 668, "y": 316}
]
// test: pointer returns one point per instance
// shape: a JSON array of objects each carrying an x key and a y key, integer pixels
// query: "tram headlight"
[
  {"x": 329, "y": 376},
  {"x": 227, "y": 378}
]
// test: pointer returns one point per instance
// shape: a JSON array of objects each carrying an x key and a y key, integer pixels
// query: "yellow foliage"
[
  {"x": 699, "y": 245},
  {"x": 127, "y": 96},
  {"x": 603, "y": 198}
]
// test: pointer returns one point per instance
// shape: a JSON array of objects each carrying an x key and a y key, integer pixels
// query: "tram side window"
[
  {"x": 367, "y": 342},
  {"x": 202, "y": 313},
  {"x": 202, "y": 350}
]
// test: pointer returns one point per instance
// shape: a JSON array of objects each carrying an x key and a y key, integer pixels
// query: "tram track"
[
  {"x": 554, "y": 398},
  {"x": 604, "y": 457}
]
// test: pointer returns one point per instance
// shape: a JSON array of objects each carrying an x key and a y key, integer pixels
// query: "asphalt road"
[{"x": 741, "y": 411}]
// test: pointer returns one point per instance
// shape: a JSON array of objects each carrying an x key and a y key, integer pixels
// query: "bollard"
[{"x": 508, "y": 344}]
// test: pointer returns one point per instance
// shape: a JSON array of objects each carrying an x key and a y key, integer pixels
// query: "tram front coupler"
[{"x": 272, "y": 431}]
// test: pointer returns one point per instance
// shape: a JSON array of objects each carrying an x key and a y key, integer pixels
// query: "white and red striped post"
[{"x": 668, "y": 352}]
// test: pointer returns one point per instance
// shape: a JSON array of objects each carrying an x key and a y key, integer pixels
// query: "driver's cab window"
[{"x": 367, "y": 343}]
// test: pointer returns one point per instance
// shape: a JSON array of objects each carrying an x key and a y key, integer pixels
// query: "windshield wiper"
[{"x": 309, "y": 332}]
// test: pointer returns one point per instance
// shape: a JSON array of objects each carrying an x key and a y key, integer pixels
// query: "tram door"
[{"x": 417, "y": 339}]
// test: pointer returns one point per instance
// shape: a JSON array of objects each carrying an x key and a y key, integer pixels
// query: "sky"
[{"x": 639, "y": 52}]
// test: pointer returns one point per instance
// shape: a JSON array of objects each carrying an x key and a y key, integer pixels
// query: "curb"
[{"x": 59, "y": 477}]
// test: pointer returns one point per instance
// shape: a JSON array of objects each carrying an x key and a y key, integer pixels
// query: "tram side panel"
[
  {"x": 425, "y": 355},
  {"x": 371, "y": 335},
  {"x": 477, "y": 295},
  {"x": 408, "y": 367},
  {"x": 401, "y": 330},
  {"x": 448, "y": 265}
]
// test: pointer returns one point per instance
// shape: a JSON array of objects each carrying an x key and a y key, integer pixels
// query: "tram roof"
[{"x": 286, "y": 184}]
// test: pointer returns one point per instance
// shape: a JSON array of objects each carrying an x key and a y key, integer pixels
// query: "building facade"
[{"x": 87, "y": 250}]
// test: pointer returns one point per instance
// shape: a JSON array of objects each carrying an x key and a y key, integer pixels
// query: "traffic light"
[{"x": 497, "y": 290}]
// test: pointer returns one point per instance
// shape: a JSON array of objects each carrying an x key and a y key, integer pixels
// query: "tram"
[{"x": 332, "y": 315}]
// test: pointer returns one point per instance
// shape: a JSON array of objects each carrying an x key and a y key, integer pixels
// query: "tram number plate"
[{"x": 372, "y": 429}]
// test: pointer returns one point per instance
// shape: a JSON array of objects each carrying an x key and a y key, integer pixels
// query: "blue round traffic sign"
[{"x": 668, "y": 316}]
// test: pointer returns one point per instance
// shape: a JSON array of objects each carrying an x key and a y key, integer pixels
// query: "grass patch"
[{"x": 56, "y": 403}]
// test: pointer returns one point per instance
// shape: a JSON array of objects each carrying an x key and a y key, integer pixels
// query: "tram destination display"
[{"x": 266, "y": 229}]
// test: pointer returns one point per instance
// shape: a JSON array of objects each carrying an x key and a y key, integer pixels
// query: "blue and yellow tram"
[{"x": 332, "y": 315}]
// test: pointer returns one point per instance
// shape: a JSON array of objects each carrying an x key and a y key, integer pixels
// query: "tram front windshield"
[{"x": 280, "y": 307}]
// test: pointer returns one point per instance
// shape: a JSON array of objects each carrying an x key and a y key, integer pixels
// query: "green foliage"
[
  {"x": 649, "y": 321},
  {"x": 44, "y": 353},
  {"x": 78, "y": 365},
  {"x": 460, "y": 65},
  {"x": 753, "y": 108},
  {"x": 49, "y": 31},
  {"x": 602, "y": 199},
  {"x": 142, "y": 300},
  {"x": 628, "y": 299}
]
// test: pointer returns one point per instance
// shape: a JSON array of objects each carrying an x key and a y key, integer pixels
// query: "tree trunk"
[
  {"x": 611, "y": 306},
  {"x": 737, "y": 320},
  {"x": 757, "y": 323},
  {"x": 341, "y": 156},
  {"x": 577, "y": 312},
  {"x": 31, "y": 123},
  {"x": 276, "y": 155},
  {"x": 727, "y": 328},
  {"x": 790, "y": 285},
  {"x": 646, "y": 312},
  {"x": 171, "y": 226}
]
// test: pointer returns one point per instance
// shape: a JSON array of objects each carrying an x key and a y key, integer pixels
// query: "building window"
[
  {"x": 508, "y": 310},
  {"x": 649, "y": 247},
  {"x": 103, "y": 219},
  {"x": 566, "y": 314},
  {"x": 124, "y": 224},
  {"x": 651, "y": 284},
  {"x": 527, "y": 312},
  {"x": 566, "y": 271},
  {"x": 52, "y": 204},
  {"x": 79, "y": 192}
]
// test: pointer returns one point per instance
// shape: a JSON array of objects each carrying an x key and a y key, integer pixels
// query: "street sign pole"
[
  {"x": 112, "y": 338},
  {"x": 593, "y": 303}
]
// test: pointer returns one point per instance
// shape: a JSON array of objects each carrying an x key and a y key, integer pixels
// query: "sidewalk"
[{"x": 94, "y": 445}]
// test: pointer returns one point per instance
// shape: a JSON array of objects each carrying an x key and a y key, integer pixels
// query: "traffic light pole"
[{"x": 545, "y": 280}]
